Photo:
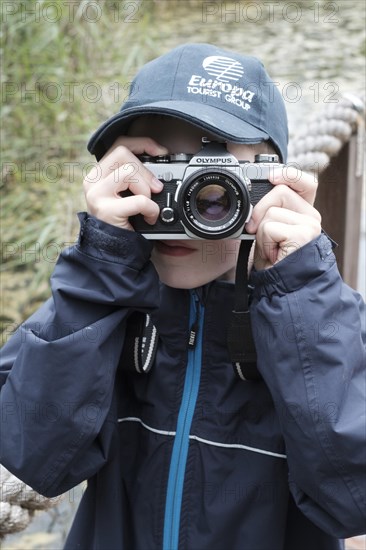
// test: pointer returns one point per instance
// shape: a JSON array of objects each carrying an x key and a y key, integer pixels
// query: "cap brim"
[{"x": 216, "y": 121}]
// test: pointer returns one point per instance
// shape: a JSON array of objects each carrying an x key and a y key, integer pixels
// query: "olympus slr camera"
[{"x": 209, "y": 195}]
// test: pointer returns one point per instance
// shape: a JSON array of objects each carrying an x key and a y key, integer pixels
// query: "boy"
[{"x": 188, "y": 455}]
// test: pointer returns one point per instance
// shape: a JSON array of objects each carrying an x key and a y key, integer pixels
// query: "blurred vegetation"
[{"x": 63, "y": 72}]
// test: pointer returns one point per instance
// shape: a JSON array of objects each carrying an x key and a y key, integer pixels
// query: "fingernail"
[
  {"x": 278, "y": 174},
  {"x": 250, "y": 226},
  {"x": 157, "y": 184}
]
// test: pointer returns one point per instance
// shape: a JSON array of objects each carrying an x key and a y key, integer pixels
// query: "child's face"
[{"x": 191, "y": 263}]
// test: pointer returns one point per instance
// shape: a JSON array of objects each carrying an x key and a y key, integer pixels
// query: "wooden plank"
[{"x": 339, "y": 201}]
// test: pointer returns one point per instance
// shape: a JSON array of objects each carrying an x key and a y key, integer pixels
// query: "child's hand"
[
  {"x": 118, "y": 171},
  {"x": 284, "y": 219}
]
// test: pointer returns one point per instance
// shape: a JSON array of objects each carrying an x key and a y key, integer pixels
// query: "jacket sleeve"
[
  {"x": 57, "y": 371},
  {"x": 310, "y": 341}
]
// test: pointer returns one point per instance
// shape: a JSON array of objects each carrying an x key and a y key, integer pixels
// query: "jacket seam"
[{"x": 211, "y": 442}]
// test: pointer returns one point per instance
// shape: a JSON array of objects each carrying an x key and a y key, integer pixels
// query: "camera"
[{"x": 209, "y": 195}]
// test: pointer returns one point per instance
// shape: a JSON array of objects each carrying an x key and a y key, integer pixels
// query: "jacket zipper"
[{"x": 181, "y": 441}]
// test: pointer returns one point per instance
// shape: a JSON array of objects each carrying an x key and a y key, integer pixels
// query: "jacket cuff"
[
  {"x": 104, "y": 241},
  {"x": 296, "y": 270}
]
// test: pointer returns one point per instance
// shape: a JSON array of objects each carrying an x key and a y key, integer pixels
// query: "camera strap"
[
  {"x": 140, "y": 345},
  {"x": 240, "y": 335}
]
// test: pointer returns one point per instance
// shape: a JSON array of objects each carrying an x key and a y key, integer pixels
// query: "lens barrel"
[{"x": 213, "y": 204}]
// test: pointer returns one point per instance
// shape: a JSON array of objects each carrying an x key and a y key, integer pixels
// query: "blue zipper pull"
[{"x": 195, "y": 325}]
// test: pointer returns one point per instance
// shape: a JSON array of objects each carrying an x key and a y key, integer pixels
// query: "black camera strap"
[
  {"x": 141, "y": 342},
  {"x": 240, "y": 335}
]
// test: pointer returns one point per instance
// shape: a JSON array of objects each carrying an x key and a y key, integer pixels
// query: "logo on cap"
[
  {"x": 225, "y": 72},
  {"x": 224, "y": 69}
]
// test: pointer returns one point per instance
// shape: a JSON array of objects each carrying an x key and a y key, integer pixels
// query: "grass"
[{"x": 63, "y": 72}]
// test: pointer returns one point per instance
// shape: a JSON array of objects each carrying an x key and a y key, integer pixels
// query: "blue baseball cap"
[{"x": 226, "y": 93}]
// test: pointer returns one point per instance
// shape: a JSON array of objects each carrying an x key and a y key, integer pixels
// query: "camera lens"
[{"x": 213, "y": 202}]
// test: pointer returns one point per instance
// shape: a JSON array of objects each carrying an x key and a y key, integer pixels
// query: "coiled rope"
[
  {"x": 311, "y": 149},
  {"x": 325, "y": 133},
  {"x": 18, "y": 503}
]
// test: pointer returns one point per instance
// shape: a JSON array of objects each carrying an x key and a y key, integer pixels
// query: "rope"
[
  {"x": 325, "y": 133},
  {"x": 18, "y": 503}
]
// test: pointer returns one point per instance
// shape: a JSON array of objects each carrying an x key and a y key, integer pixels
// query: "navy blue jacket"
[{"x": 189, "y": 456}]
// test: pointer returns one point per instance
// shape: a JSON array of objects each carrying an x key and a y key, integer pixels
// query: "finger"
[
  {"x": 273, "y": 231},
  {"x": 283, "y": 197},
  {"x": 119, "y": 181},
  {"x": 304, "y": 183},
  {"x": 290, "y": 217},
  {"x": 140, "y": 145},
  {"x": 124, "y": 151},
  {"x": 119, "y": 210},
  {"x": 124, "y": 175},
  {"x": 140, "y": 204},
  {"x": 121, "y": 162},
  {"x": 276, "y": 240},
  {"x": 121, "y": 156},
  {"x": 291, "y": 224}
]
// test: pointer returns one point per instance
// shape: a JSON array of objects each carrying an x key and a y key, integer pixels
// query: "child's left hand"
[{"x": 284, "y": 219}]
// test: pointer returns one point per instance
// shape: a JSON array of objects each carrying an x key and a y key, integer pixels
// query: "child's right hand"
[{"x": 120, "y": 170}]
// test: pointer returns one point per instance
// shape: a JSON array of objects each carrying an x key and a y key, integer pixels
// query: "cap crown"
[{"x": 225, "y": 92}]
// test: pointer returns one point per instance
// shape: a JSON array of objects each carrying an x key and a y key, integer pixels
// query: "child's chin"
[{"x": 187, "y": 281}]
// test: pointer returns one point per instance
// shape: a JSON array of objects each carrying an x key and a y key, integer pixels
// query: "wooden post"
[{"x": 339, "y": 201}]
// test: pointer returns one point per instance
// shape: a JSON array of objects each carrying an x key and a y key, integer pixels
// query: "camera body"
[{"x": 209, "y": 195}]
